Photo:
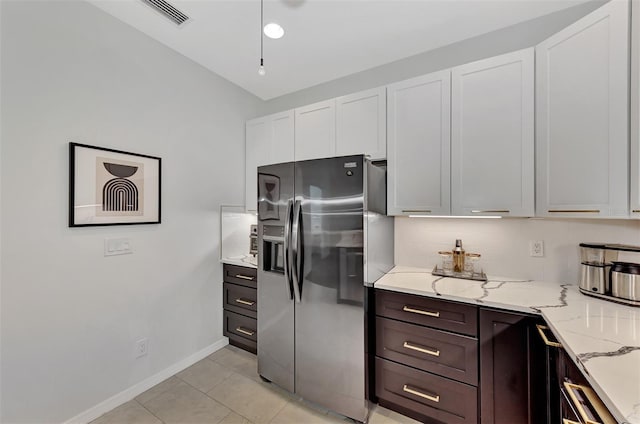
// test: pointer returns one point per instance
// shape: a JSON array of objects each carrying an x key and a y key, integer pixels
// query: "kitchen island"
[{"x": 601, "y": 337}]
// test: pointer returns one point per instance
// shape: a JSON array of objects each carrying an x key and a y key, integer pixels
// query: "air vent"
[{"x": 168, "y": 10}]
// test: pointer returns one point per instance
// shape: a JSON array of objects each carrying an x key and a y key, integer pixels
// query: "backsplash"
[{"x": 504, "y": 243}]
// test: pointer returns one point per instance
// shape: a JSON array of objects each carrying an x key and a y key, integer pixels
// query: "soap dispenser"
[{"x": 458, "y": 257}]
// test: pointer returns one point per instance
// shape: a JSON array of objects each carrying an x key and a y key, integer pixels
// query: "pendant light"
[{"x": 261, "y": 70}]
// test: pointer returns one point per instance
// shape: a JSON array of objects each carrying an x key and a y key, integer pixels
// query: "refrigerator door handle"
[
  {"x": 300, "y": 249},
  {"x": 287, "y": 249},
  {"x": 295, "y": 243}
]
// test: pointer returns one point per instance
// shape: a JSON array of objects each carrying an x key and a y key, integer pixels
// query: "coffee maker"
[
  {"x": 599, "y": 265},
  {"x": 595, "y": 262}
]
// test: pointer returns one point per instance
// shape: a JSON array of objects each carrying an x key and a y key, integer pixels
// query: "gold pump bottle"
[{"x": 458, "y": 257}]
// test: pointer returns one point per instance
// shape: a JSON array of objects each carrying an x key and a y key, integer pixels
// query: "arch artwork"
[{"x": 119, "y": 188}]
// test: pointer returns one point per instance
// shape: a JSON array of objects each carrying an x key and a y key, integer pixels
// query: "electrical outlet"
[
  {"x": 141, "y": 347},
  {"x": 536, "y": 248}
]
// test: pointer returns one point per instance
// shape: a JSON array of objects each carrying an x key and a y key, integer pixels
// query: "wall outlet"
[
  {"x": 141, "y": 347},
  {"x": 536, "y": 248}
]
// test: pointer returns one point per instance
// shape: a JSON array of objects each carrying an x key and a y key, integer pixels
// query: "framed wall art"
[{"x": 112, "y": 187}]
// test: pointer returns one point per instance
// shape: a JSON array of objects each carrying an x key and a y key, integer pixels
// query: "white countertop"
[
  {"x": 249, "y": 261},
  {"x": 602, "y": 337}
]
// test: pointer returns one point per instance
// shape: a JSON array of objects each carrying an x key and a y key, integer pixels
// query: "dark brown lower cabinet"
[
  {"x": 240, "y": 303},
  {"x": 425, "y": 396},
  {"x": 547, "y": 343},
  {"x": 426, "y": 357},
  {"x": 511, "y": 369},
  {"x": 439, "y": 362},
  {"x": 578, "y": 402}
]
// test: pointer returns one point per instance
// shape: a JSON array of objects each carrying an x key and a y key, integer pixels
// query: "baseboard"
[{"x": 133, "y": 391}]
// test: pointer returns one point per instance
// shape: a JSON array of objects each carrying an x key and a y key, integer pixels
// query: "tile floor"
[{"x": 225, "y": 388}]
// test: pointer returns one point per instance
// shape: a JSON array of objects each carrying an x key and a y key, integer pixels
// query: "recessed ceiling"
[{"x": 324, "y": 39}]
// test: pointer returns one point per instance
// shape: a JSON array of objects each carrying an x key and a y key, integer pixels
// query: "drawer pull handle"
[
  {"x": 635, "y": 210},
  {"x": 416, "y": 211},
  {"x": 421, "y": 312},
  {"x": 408, "y": 389},
  {"x": 243, "y": 331},
  {"x": 245, "y": 302},
  {"x": 421, "y": 349},
  {"x": 490, "y": 211},
  {"x": 574, "y": 211},
  {"x": 244, "y": 277},
  {"x": 545, "y": 339},
  {"x": 587, "y": 396}
]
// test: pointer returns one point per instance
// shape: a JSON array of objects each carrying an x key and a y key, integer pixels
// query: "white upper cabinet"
[
  {"x": 635, "y": 112},
  {"x": 315, "y": 131},
  {"x": 257, "y": 136},
  {"x": 418, "y": 145},
  {"x": 282, "y": 132},
  {"x": 582, "y": 117},
  {"x": 361, "y": 125},
  {"x": 268, "y": 140},
  {"x": 492, "y": 136}
]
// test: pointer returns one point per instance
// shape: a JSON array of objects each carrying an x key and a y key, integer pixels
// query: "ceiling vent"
[{"x": 168, "y": 10}]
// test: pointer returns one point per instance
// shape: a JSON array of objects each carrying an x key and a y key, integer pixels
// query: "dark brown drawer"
[
  {"x": 240, "y": 275},
  {"x": 241, "y": 299},
  {"x": 422, "y": 310},
  {"x": 426, "y": 394},
  {"x": 447, "y": 354},
  {"x": 241, "y": 328}
]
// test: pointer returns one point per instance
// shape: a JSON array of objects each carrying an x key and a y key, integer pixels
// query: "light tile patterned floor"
[{"x": 225, "y": 388}]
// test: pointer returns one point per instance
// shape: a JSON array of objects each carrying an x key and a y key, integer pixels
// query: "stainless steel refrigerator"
[{"x": 323, "y": 237}]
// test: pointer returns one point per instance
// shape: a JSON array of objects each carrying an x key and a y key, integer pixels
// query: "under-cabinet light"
[{"x": 456, "y": 216}]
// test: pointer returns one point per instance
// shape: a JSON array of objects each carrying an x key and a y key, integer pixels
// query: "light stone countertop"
[
  {"x": 249, "y": 261},
  {"x": 602, "y": 337}
]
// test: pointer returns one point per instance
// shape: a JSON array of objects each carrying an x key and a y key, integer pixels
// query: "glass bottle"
[{"x": 458, "y": 257}]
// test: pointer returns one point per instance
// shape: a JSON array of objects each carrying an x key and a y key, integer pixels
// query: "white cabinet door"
[
  {"x": 634, "y": 198},
  {"x": 315, "y": 131},
  {"x": 257, "y": 139},
  {"x": 582, "y": 117},
  {"x": 281, "y": 146},
  {"x": 492, "y": 136},
  {"x": 418, "y": 145},
  {"x": 361, "y": 124}
]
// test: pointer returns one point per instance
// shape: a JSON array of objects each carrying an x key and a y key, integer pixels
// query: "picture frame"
[
  {"x": 113, "y": 187},
  {"x": 269, "y": 197}
]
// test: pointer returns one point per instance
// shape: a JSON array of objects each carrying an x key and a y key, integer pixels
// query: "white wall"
[
  {"x": 504, "y": 243},
  {"x": 505, "y": 40},
  {"x": 70, "y": 316}
]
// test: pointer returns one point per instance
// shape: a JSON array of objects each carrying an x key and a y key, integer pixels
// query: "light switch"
[{"x": 117, "y": 246}]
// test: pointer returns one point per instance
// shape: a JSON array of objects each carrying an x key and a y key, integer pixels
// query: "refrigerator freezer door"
[
  {"x": 276, "y": 310},
  {"x": 330, "y": 316}
]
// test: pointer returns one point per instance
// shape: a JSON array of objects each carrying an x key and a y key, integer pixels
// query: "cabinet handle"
[
  {"x": 421, "y": 312},
  {"x": 574, "y": 211},
  {"x": 490, "y": 211},
  {"x": 244, "y": 277},
  {"x": 416, "y": 211},
  {"x": 587, "y": 396},
  {"x": 431, "y": 352},
  {"x": 635, "y": 210},
  {"x": 243, "y": 331},
  {"x": 408, "y": 389},
  {"x": 245, "y": 302},
  {"x": 541, "y": 329},
  {"x": 566, "y": 421}
]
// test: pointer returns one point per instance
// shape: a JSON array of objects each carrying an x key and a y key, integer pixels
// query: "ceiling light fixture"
[
  {"x": 261, "y": 70},
  {"x": 273, "y": 30}
]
